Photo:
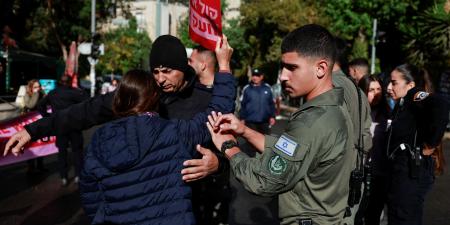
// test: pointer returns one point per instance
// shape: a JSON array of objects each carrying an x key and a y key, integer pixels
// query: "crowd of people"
[{"x": 170, "y": 138}]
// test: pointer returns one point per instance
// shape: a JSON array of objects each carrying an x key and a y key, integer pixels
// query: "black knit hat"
[{"x": 168, "y": 51}]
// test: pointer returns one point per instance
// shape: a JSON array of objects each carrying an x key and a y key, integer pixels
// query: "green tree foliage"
[
  {"x": 415, "y": 30},
  {"x": 183, "y": 32},
  {"x": 52, "y": 25},
  {"x": 399, "y": 19},
  {"x": 235, "y": 34},
  {"x": 266, "y": 22},
  {"x": 429, "y": 39},
  {"x": 125, "y": 49}
]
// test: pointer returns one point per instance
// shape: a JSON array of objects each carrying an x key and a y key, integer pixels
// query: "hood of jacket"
[{"x": 123, "y": 143}]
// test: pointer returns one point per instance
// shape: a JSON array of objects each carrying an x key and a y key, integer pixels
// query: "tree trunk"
[{"x": 55, "y": 30}]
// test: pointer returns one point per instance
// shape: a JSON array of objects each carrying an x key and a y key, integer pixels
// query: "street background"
[{"x": 41, "y": 199}]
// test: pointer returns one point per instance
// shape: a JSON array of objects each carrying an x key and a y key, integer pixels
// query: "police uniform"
[
  {"x": 418, "y": 119},
  {"x": 309, "y": 165}
]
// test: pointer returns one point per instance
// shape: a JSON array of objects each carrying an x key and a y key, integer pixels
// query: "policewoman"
[{"x": 416, "y": 128}]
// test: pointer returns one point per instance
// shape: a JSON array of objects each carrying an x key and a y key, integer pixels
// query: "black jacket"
[
  {"x": 98, "y": 110},
  {"x": 60, "y": 98},
  {"x": 426, "y": 114}
]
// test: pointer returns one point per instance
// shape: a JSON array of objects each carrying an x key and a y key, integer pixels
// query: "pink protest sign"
[{"x": 34, "y": 149}]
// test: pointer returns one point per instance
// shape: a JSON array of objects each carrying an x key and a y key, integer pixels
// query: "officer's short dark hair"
[
  {"x": 362, "y": 62},
  {"x": 311, "y": 40},
  {"x": 206, "y": 52}
]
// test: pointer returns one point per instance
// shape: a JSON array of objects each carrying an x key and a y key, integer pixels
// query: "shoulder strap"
[{"x": 360, "y": 145}]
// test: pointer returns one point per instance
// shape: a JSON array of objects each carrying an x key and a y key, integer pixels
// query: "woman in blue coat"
[{"x": 132, "y": 167}]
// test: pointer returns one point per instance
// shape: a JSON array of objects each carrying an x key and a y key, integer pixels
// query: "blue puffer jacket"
[{"x": 132, "y": 167}]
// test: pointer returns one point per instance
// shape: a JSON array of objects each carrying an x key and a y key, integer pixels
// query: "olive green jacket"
[
  {"x": 351, "y": 102},
  {"x": 309, "y": 165}
]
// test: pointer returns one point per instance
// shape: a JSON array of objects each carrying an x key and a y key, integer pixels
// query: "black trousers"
[
  {"x": 75, "y": 140},
  {"x": 379, "y": 187},
  {"x": 406, "y": 194},
  {"x": 35, "y": 163}
]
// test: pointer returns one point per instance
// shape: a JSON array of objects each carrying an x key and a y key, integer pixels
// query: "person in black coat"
[
  {"x": 418, "y": 125},
  {"x": 60, "y": 98}
]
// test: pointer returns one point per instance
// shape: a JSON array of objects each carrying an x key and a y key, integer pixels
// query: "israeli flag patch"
[{"x": 286, "y": 145}]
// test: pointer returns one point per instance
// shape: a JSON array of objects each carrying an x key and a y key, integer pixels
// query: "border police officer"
[{"x": 309, "y": 165}]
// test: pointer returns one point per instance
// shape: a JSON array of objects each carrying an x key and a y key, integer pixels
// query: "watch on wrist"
[{"x": 227, "y": 145}]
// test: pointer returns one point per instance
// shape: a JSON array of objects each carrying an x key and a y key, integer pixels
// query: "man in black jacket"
[
  {"x": 60, "y": 98},
  {"x": 180, "y": 100}
]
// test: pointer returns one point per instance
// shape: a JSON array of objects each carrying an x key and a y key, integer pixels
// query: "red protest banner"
[
  {"x": 205, "y": 22},
  {"x": 34, "y": 149}
]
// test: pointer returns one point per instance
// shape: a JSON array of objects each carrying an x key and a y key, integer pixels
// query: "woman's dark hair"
[
  {"x": 420, "y": 76},
  {"x": 137, "y": 93},
  {"x": 364, "y": 83}
]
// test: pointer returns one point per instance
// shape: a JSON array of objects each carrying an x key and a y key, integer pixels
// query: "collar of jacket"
[
  {"x": 410, "y": 94},
  {"x": 341, "y": 73},
  {"x": 203, "y": 87},
  {"x": 334, "y": 96},
  {"x": 190, "y": 77},
  {"x": 254, "y": 85}
]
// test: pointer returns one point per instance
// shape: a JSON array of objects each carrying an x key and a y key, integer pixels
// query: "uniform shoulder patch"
[
  {"x": 286, "y": 145},
  {"x": 421, "y": 95},
  {"x": 277, "y": 165}
]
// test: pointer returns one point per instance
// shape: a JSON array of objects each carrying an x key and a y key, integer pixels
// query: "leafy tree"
[
  {"x": 49, "y": 26},
  {"x": 125, "y": 49},
  {"x": 235, "y": 34},
  {"x": 183, "y": 32},
  {"x": 429, "y": 39},
  {"x": 266, "y": 22},
  {"x": 352, "y": 20}
]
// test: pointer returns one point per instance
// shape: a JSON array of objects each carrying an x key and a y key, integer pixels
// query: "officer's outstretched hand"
[
  {"x": 223, "y": 53},
  {"x": 16, "y": 143},
  {"x": 200, "y": 168},
  {"x": 227, "y": 123}
]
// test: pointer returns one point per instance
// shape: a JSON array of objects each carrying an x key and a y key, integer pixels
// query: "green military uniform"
[
  {"x": 351, "y": 102},
  {"x": 352, "y": 105},
  {"x": 309, "y": 165}
]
